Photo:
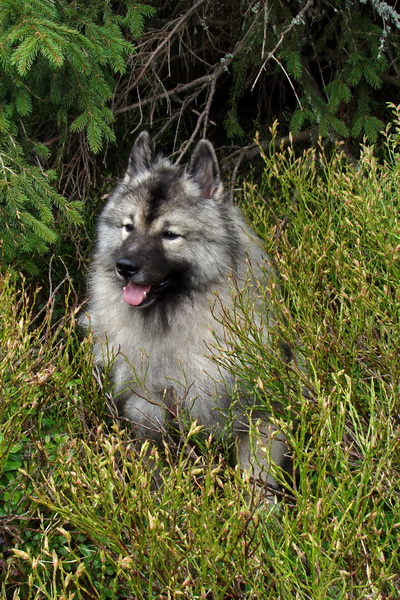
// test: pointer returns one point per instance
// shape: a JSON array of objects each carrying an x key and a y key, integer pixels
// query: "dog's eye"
[
  {"x": 128, "y": 227},
  {"x": 170, "y": 235}
]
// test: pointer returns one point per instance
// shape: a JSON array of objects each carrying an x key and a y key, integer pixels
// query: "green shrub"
[
  {"x": 59, "y": 61},
  {"x": 93, "y": 527}
]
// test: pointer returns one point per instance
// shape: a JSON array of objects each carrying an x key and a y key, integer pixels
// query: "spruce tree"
[{"x": 59, "y": 62}]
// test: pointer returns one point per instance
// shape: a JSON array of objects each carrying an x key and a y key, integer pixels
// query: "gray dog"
[{"x": 171, "y": 254}]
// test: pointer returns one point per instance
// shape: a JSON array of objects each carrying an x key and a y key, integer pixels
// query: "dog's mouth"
[{"x": 138, "y": 294}]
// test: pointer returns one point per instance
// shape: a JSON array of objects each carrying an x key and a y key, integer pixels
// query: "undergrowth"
[{"x": 79, "y": 516}]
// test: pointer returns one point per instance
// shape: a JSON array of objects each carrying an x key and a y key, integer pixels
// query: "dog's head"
[{"x": 166, "y": 229}]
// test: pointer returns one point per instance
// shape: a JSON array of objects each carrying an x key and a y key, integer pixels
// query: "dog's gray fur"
[{"x": 171, "y": 251}]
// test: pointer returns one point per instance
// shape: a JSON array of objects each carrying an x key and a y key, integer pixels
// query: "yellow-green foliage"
[{"x": 87, "y": 524}]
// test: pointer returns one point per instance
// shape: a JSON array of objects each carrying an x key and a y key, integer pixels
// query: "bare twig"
[
  {"x": 179, "y": 89},
  {"x": 203, "y": 118},
  {"x": 295, "y": 21},
  {"x": 249, "y": 152},
  {"x": 206, "y": 81},
  {"x": 254, "y": 149},
  {"x": 181, "y": 22}
]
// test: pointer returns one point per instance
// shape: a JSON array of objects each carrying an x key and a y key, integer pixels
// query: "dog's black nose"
[{"x": 126, "y": 267}]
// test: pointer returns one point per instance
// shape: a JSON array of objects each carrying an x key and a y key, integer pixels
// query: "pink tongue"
[{"x": 134, "y": 293}]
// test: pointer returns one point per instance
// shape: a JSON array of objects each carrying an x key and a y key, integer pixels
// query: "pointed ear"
[
  {"x": 204, "y": 170},
  {"x": 141, "y": 157}
]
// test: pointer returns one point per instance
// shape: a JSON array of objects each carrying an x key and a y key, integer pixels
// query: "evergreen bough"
[
  {"x": 58, "y": 61},
  {"x": 334, "y": 59}
]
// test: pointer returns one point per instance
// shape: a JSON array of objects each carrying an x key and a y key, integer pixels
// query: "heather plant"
[{"x": 79, "y": 516}]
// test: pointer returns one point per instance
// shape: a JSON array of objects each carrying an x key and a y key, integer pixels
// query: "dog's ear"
[
  {"x": 204, "y": 170},
  {"x": 141, "y": 157}
]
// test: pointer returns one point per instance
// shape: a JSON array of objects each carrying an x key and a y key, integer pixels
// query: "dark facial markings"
[{"x": 159, "y": 192}]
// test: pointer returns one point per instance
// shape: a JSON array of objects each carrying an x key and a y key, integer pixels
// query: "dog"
[{"x": 172, "y": 252}]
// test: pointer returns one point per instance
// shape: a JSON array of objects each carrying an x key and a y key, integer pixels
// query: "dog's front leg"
[{"x": 258, "y": 449}]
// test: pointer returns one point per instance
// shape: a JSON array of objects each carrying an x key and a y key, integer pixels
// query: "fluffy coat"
[{"x": 171, "y": 252}]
